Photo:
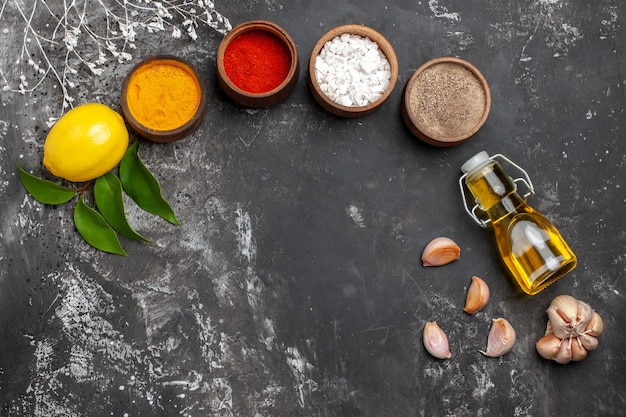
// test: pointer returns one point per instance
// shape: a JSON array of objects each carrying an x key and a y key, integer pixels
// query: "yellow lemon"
[{"x": 85, "y": 143}]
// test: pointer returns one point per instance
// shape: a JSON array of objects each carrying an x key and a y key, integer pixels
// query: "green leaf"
[
  {"x": 142, "y": 187},
  {"x": 95, "y": 229},
  {"x": 44, "y": 191},
  {"x": 110, "y": 203}
]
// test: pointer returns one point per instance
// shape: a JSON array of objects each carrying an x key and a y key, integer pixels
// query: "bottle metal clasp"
[{"x": 525, "y": 180}]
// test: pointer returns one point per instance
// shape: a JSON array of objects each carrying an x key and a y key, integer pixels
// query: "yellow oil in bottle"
[{"x": 530, "y": 246}]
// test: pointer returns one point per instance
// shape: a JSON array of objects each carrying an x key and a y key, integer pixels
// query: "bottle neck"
[
  {"x": 495, "y": 192},
  {"x": 508, "y": 205}
]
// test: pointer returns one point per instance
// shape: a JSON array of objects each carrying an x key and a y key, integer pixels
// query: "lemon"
[{"x": 85, "y": 143}]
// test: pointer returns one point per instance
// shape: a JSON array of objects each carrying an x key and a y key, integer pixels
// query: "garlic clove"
[
  {"x": 477, "y": 296},
  {"x": 548, "y": 346},
  {"x": 562, "y": 314},
  {"x": 564, "y": 355},
  {"x": 436, "y": 341},
  {"x": 595, "y": 327},
  {"x": 440, "y": 251},
  {"x": 578, "y": 351},
  {"x": 558, "y": 325},
  {"x": 567, "y": 304},
  {"x": 501, "y": 338},
  {"x": 583, "y": 317},
  {"x": 588, "y": 341}
]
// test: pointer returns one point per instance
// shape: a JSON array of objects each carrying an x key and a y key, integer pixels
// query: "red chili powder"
[{"x": 257, "y": 61}]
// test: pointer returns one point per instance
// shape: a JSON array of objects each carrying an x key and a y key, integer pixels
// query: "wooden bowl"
[
  {"x": 328, "y": 103},
  {"x": 446, "y": 101},
  {"x": 265, "y": 98},
  {"x": 144, "y": 120}
]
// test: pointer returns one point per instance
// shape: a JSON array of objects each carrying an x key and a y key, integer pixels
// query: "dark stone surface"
[{"x": 293, "y": 285}]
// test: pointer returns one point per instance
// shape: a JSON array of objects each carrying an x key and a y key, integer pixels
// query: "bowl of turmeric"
[{"x": 163, "y": 98}]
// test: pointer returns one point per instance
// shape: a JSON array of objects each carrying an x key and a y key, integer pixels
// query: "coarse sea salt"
[{"x": 352, "y": 71}]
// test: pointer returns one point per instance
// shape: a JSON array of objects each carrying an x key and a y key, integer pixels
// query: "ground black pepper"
[{"x": 447, "y": 100}]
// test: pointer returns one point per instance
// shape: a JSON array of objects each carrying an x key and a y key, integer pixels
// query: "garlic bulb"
[
  {"x": 501, "y": 338},
  {"x": 436, "y": 341},
  {"x": 440, "y": 251},
  {"x": 568, "y": 316},
  {"x": 572, "y": 330},
  {"x": 477, "y": 296}
]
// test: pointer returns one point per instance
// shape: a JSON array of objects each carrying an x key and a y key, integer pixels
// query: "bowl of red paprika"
[{"x": 257, "y": 64}]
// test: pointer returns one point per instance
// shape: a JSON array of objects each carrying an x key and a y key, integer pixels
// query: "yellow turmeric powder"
[{"x": 163, "y": 94}]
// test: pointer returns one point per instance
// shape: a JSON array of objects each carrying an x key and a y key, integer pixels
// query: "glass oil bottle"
[{"x": 530, "y": 246}]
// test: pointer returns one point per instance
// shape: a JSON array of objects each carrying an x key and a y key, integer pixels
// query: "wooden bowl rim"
[
  {"x": 439, "y": 140},
  {"x": 172, "y": 135},
  {"x": 267, "y": 26},
  {"x": 385, "y": 47}
]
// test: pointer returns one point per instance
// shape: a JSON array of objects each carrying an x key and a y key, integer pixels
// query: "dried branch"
[{"x": 59, "y": 37}]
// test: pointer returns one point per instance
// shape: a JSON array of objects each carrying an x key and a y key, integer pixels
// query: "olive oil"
[{"x": 530, "y": 246}]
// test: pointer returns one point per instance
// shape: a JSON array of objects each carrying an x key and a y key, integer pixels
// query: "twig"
[{"x": 66, "y": 26}]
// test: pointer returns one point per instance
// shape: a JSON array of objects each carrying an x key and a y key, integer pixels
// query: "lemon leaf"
[
  {"x": 95, "y": 229},
  {"x": 110, "y": 203},
  {"x": 139, "y": 183},
  {"x": 44, "y": 191}
]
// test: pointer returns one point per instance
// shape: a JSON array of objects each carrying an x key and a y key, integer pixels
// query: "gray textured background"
[{"x": 293, "y": 285}]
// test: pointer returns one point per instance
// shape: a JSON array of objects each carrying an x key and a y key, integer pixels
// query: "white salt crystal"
[
  {"x": 344, "y": 100},
  {"x": 383, "y": 75}
]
